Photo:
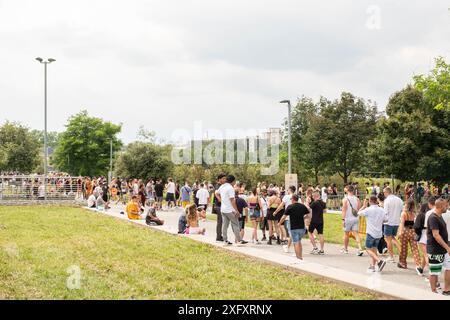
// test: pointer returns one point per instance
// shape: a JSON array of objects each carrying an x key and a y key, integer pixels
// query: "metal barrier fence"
[{"x": 37, "y": 188}]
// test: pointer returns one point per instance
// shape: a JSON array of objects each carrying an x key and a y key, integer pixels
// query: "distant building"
[{"x": 273, "y": 136}]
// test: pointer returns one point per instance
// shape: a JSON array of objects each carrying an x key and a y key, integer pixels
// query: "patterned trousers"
[{"x": 407, "y": 237}]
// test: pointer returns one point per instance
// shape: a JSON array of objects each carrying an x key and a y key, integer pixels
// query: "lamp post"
[
  {"x": 110, "y": 161},
  {"x": 288, "y": 102},
  {"x": 45, "y": 63}
]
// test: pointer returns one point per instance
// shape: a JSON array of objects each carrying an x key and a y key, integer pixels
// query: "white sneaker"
[
  {"x": 286, "y": 249},
  {"x": 315, "y": 251},
  {"x": 371, "y": 269},
  {"x": 390, "y": 259},
  {"x": 344, "y": 251}
]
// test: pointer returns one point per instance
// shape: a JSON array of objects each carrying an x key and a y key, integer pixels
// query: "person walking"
[
  {"x": 438, "y": 248},
  {"x": 375, "y": 217},
  {"x": 420, "y": 227},
  {"x": 318, "y": 207},
  {"x": 407, "y": 236},
  {"x": 393, "y": 206},
  {"x": 350, "y": 218},
  {"x": 297, "y": 212},
  {"x": 185, "y": 195}
]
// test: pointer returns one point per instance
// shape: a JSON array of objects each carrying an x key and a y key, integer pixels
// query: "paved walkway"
[{"x": 350, "y": 269}]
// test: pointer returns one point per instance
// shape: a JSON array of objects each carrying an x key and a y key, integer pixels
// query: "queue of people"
[{"x": 285, "y": 217}]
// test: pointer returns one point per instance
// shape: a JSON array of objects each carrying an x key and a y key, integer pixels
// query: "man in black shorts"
[
  {"x": 318, "y": 207},
  {"x": 159, "y": 191}
]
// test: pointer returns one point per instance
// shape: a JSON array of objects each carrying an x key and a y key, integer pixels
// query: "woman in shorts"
[
  {"x": 273, "y": 201},
  {"x": 254, "y": 206}
]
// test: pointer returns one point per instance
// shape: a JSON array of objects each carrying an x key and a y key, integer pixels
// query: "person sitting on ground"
[
  {"x": 375, "y": 217},
  {"x": 151, "y": 218},
  {"x": 182, "y": 223},
  {"x": 192, "y": 221},
  {"x": 133, "y": 208},
  {"x": 201, "y": 213},
  {"x": 100, "y": 202},
  {"x": 92, "y": 201}
]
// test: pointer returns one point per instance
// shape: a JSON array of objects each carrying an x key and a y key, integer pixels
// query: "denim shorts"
[
  {"x": 256, "y": 214},
  {"x": 390, "y": 231},
  {"x": 372, "y": 242},
  {"x": 297, "y": 235}
]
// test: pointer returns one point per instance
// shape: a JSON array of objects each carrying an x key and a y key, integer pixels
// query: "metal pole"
[
  {"x": 289, "y": 138},
  {"x": 110, "y": 161},
  {"x": 45, "y": 132}
]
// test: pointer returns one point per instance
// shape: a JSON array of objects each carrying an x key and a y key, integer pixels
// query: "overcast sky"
[{"x": 167, "y": 63}]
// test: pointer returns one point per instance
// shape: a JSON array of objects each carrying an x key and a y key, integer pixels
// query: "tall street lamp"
[
  {"x": 45, "y": 63},
  {"x": 288, "y": 102}
]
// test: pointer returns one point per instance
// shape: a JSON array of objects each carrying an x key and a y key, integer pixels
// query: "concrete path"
[{"x": 350, "y": 269}]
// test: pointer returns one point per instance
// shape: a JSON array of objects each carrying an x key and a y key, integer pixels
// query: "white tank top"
[{"x": 353, "y": 200}]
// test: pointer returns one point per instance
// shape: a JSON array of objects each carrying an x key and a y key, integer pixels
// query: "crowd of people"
[
  {"x": 285, "y": 217},
  {"x": 415, "y": 219}
]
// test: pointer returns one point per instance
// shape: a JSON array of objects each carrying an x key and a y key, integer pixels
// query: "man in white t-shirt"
[
  {"x": 203, "y": 196},
  {"x": 375, "y": 218},
  {"x": 230, "y": 213},
  {"x": 170, "y": 197},
  {"x": 393, "y": 206}
]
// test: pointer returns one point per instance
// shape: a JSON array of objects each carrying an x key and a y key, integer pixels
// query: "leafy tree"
[
  {"x": 84, "y": 148},
  {"x": 413, "y": 142},
  {"x": 318, "y": 141},
  {"x": 349, "y": 124},
  {"x": 52, "y": 138},
  {"x": 436, "y": 85},
  {"x": 303, "y": 160},
  {"x": 145, "y": 161},
  {"x": 19, "y": 148}
]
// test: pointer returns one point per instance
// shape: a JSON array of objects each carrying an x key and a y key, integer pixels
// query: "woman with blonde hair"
[{"x": 192, "y": 221}]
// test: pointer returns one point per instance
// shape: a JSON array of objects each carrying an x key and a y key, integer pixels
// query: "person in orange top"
[
  {"x": 134, "y": 209},
  {"x": 89, "y": 187}
]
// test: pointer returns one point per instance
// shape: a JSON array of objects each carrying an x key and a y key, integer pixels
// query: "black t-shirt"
[
  {"x": 159, "y": 189},
  {"x": 297, "y": 213},
  {"x": 241, "y": 204},
  {"x": 105, "y": 193},
  {"x": 436, "y": 223},
  {"x": 317, "y": 208}
]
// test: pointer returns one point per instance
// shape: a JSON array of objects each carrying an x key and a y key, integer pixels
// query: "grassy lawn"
[{"x": 119, "y": 260}]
